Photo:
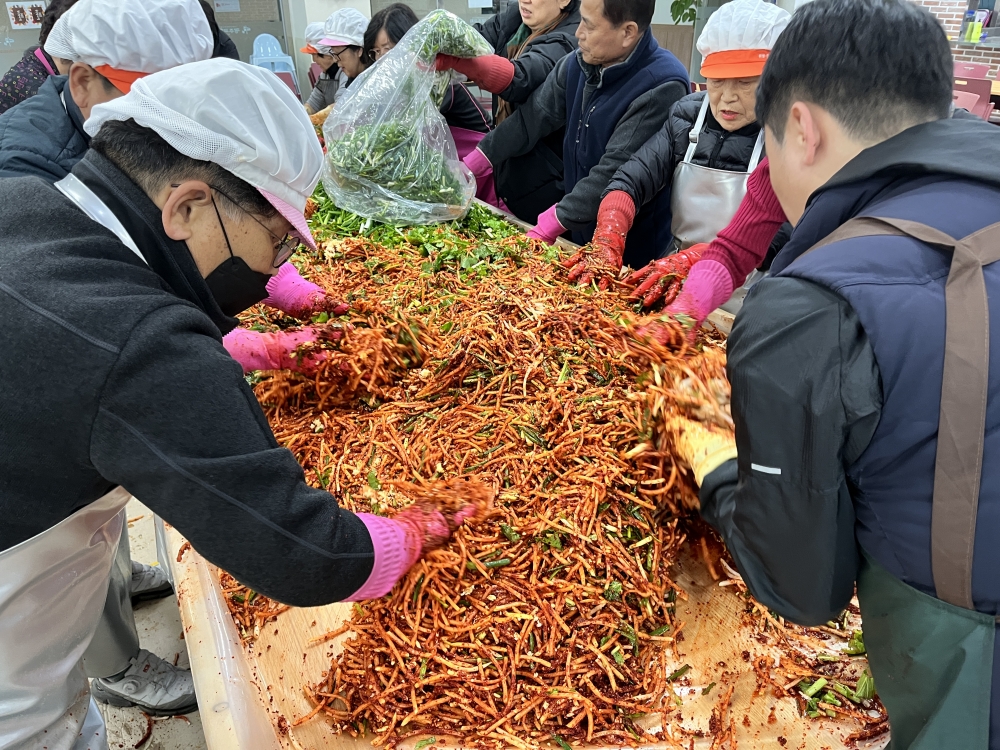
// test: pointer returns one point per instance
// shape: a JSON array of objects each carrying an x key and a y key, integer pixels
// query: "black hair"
[
  {"x": 877, "y": 66},
  {"x": 108, "y": 86},
  {"x": 619, "y": 12},
  {"x": 151, "y": 163},
  {"x": 52, "y": 12},
  {"x": 396, "y": 19},
  {"x": 212, "y": 23}
]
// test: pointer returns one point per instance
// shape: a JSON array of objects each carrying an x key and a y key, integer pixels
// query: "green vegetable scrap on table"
[{"x": 468, "y": 247}]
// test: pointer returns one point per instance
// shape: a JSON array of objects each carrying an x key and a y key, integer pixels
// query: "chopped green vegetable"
[
  {"x": 866, "y": 687},
  {"x": 510, "y": 533},
  {"x": 416, "y": 588},
  {"x": 856, "y": 646},
  {"x": 661, "y": 630},
  {"x": 501, "y": 563},
  {"x": 423, "y": 668},
  {"x": 618, "y": 655},
  {"x": 708, "y": 688},
  {"x": 373, "y": 480},
  {"x": 613, "y": 592},
  {"x": 677, "y": 674},
  {"x": 628, "y": 634},
  {"x": 561, "y": 742},
  {"x": 425, "y": 743},
  {"x": 814, "y": 688}
]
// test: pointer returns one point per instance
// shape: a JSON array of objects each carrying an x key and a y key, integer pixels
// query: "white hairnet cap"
[
  {"x": 738, "y": 38},
  {"x": 126, "y": 39},
  {"x": 314, "y": 37},
  {"x": 345, "y": 28},
  {"x": 241, "y": 117}
]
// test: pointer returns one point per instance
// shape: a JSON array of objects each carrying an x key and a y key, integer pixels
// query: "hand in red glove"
[
  {"x": 289, "y": 292},
  {"x": 276, "y": 351},
  {"x": 602, "y": 260},
  {"x": 668, "y": 331},
  {"x": 662, "y": 278},
  {"x": 490, "y": 72}
]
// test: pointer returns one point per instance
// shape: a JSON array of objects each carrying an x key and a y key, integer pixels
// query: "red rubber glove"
[
  {"x": 275, "y": 351},
  {"x": 602, "y": 261},
  {"x": 490, "y": 72},
  {"x": 289, "y": 292},
  {"x": 662, "y": 278},
  {"x": 548, "y": 227}
]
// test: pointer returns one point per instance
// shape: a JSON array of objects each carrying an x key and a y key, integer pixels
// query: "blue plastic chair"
[{"x": 267, "y": 54}]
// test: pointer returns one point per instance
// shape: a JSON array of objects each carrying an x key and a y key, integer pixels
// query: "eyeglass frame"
[{"x": 284, "y": 247}]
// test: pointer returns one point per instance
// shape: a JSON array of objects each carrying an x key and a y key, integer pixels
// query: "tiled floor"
[{"x": 160, "y": 631}]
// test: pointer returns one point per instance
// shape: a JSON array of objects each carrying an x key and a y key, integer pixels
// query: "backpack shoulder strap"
[{"x": 958, "y": 467}]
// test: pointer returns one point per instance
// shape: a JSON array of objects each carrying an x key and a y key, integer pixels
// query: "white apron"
[
  {"x": 703, "y": 200},
  {"x": 52, "y": 591}
]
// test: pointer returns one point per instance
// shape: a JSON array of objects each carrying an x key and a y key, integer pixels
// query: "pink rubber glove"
[
  {"x": 289, "y": 292},
  {"x": 548, "y": 227},
  {"x": 708, "y": 285},
  {"x": 743, "y": 244},
  {"x": 490, "y": 72},
  {"x": 274, "y": 351},
  {"x": 482, "y": 170},
  {"x": 401, "y": 540}
]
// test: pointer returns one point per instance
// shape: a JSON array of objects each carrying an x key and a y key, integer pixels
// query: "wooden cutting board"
[{"x": 249, "y": 696}]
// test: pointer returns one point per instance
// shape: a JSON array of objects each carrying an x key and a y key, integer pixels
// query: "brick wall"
[{"x": 950, "y": 14}]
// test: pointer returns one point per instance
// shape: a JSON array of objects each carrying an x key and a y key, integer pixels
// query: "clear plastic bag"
[{"x": 390, "y": 154}]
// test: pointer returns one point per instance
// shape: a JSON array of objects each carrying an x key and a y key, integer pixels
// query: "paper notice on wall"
[
  {"x": 480, "y": 3},
  {"x": 25, "y": 15},
  {"x": 227, "y": 6}
]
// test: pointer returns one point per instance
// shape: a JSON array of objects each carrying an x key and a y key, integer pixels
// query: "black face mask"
[{"x": 234, "y": 285}]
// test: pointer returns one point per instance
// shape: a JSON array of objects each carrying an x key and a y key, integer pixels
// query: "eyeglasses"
[{"x": 283, "y": 246}]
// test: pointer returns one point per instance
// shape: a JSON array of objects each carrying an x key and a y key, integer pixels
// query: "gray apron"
[
  {"x": 52, "y": 590},
  {"x": 932, "y": 658},
  {"x": 703, "y": 200}
]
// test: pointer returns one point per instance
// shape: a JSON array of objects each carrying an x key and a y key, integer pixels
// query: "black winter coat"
[
  {"x": 114, "y": 373},
  {"x": 533, "y": 182},
  {"x": 652, "y": 168},
  {"x": 43, "y": 136}
]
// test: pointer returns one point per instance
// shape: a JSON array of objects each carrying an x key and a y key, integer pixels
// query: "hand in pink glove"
[
  {"x": 482, "y": 170},
  {"x": 276, "y": 351},
  {"x": 400, "y": 541},
  {"x": 490, "y": 72},
  {"x": 548, "y": 227},
  {"x": 289, "y": 292},
  {"x": 662, "y": 278},
  {"x": 708, "y": 285}
]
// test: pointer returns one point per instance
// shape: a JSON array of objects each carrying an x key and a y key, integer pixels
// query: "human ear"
[{"x": 184, "y": 207}]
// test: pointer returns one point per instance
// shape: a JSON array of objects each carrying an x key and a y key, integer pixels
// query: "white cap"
[
  {"x": 314, "y": 35},
  {"x": 241, "y": 117},
  {"x": 126, "y": 39},
  {"x": 345, "y": 28},
  {"x": 738, "y": 38}
]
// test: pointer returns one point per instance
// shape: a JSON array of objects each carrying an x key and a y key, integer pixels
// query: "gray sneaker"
[
  {"x": 150, "y": 683},
  {"x": 148, "y": 582}
]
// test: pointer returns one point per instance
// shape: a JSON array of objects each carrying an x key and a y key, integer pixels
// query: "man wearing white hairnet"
[
  {"x": 116, "y": 380},
  {"x": 109, "y": 44}
]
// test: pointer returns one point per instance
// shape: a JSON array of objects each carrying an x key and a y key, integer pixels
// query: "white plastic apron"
[
  {"x": 52, "y": 591},
  {"x": 703, "y": 200}
]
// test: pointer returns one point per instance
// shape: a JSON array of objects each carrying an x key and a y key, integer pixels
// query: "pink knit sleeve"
[
  {"x": 392, "y": 557},
  {"x": 742, "y": 245}
]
